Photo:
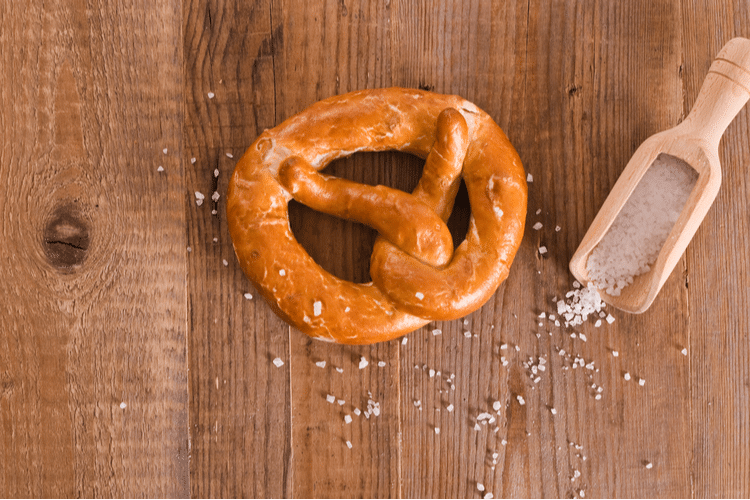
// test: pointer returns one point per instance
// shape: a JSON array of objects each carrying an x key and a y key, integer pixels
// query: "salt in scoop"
[{"x": 695, "y": 141}]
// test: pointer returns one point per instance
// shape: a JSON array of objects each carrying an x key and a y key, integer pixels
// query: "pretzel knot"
[{"x": 417, "y": 276}]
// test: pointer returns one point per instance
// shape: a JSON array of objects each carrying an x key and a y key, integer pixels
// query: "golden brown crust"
[{"x": 406, "y": 293}]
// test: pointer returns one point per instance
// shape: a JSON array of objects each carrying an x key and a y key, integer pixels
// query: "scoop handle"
[{"x": 724, "y": 93}]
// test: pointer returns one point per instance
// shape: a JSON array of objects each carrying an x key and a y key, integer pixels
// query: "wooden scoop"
[{"x": 695, "y": 141}]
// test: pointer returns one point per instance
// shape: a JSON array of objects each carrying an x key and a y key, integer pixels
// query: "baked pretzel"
[{"x": 417, "y": 277}]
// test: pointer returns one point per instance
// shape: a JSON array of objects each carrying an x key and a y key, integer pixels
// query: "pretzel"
[{"x": 417, "y": 276}]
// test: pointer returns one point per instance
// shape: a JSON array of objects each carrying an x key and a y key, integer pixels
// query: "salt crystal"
[
  {"x": 641, "y": 382},
  {"x": 557, "y": 229},
  {"x": 248, "y": 296},
  {"x": 649, "y": 465},
  {"x": 211, "y": 95},
  {"x": 317, "y": 308},
  {"x": 320, "y": 364},
  {"x": 160, "y": 169},
  {"x": 278, "y": 362},
  {"x": 404, "y": 341},
  {"x": 340, "y": 370},
  {"x": 467, "y": 334},
  {"x": 627, "y": 376},
  {"x": 381, "y": 364},
  {"x": 610, "y": 319},
  {"x": 542, "y": 250},
  {"x": 215, "y": 196},
  {"x": 357, "y": 411},
  {"x": 437, "y": 331},
  {"x": 341, "y": 402},
  {"x": 537, "y": 226},
  {"x": 615, "y": 353},
  {"x": 349, "y": 444},
  {"x": 229, "y": 155},
  {"x": 437, "y": 430},
  {"x": 216, "y": 172},
  {"x": 633, "y": 242},
  {"x": 348, "y": 419},
  {"x": 553, "y": 411},
  {"x": 496, "y": 406},
  {"x": 419, "y": 295},
  {"x": 192, "y": 160},
  {"x": 282, "y": 272},
  {"x": 684, "y": 352},
  {"x": 480, "y": 486},
  {"x": 224, "y": 261},
  {"x": 449, "y": 407},
  {"x": 529, "y": 178},
  {"x": 123, "y": 405},
  {"x": 363, "y": 363}
]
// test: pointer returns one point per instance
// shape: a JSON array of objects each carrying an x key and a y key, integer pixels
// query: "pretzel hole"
[
  {"x": 458, "y": 222},
  {"x": 343, "y": 247}
]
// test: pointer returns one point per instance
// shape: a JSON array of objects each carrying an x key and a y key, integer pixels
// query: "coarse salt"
[
  {"x": 437, "y": 331},
  {"x": 278, "y": 362},
  {"x": 633, "y": 242},
  {"x": 542, "y": 250},
  {"x": 419, "y": 295},
  {"x": 317, "y": 308},
  {"x": 529, "y": 178},
  {"x": 320, "y": 364},
  {"x": 160, "y": 169},
  {"x": 404, "y": 340},
  {"x": 211, "y": 95},
  {"x": 348, "y": 419},
  {"x": 248, "y": 296},
  {"x": 282, "y": 272},
  {"x": 349, "y": 444},
  {"x": 537, "y": 226},
  {"x": 363, "y": 363},
  {"x": 480, "y": 486}
]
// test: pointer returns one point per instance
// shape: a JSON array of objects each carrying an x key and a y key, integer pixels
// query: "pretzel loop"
[{"x": 417, "y": 275}]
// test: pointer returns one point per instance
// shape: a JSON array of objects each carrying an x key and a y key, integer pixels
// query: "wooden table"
[{"x": 132, "y": 364}]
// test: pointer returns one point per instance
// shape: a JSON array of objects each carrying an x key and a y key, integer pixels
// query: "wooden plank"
[
  {"x": 577, "y": 87},
  {"x": 330, "y": 48},
  {"x": 239, "y": 401},
  {"x": 718, "y": 274},
  {"x": 93, "y": 368}
]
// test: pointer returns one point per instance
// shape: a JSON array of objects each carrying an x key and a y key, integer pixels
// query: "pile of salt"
[{"x": 636, "y": 237}]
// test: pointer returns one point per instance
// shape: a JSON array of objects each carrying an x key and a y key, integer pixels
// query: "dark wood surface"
[{"x": 132, "y": 363}]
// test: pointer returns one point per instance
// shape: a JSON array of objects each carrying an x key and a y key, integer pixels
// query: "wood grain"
[
  {"x": 92, "y": 330},
  {"x": 239, "y": 410},
  {"x": 717, "y": 264},
  {"x": 119, "y": 288}
]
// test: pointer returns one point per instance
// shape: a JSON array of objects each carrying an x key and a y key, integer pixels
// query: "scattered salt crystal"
[
  {"x": 529, "y": 178},
  {"x": 496, "y": 406},
  {"x": 199, "y": 197},
  {"x": 341, "y": 402},
  {"x": 278, "y": 362},
  {"x": 363, "y": 363},
  {"x": 437, "y": 331},
  {"x": 467, "y": 334},
  {"x": 610, "y": 319},
  {"x": 340, "y": 370},
  {"x": 627, "y": 376},
  {"x": 503, "y": 346},
  {"x": 404, "y": 341},
  {"x": 192, "y": 160},
  {"x": 347, "y": 309},
  {"x": 165, "y": 150},
  {"x": 633, "y": 242},
  {"x": 216, "y": 172},
  {"x": 449, "y": 407},
  {"x": 317, "y": 308},
  {"x": 615, "y": 353},
  {"x": 381, "y": 364},
  {"x": 520, "y": 399},
  {"x": 437, "y": 430},
  {"x": 160, "y": 169},
  {"x": 123, "y": 405},
  {"x": 248, "y": 296},
  {"x": 489, "y": 496},
  {"x": 553, "y": 411},
  {"x": 598, "y": 323},
  {"x": 582, "y": 337},
  {"x": 480, "y": 486},
  {"x": 641, "y": 382},
  {"x": 557, "y": 229},
  {"x": 542, "y": 250},
  {"x": 357, "y": 411},
  {"x": 348, "y": 419},
  {"x": 229, "y": 155},
  {"x": 432, "y": 373},
  {"x": 211, "y": 95},
  {"x": 215, "y": 196},
  {"x": 282, "y": 272},
  {"x": 320, "y": 364},
  {"x": 224, "y": 261},
  {"x": 419, "y": 295},
  {"x": 537, "y": 226},
  {"x": 349, "y": 444},
  {"x": 649, "y": 465},
  {"x": 684, "y": 352}
]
